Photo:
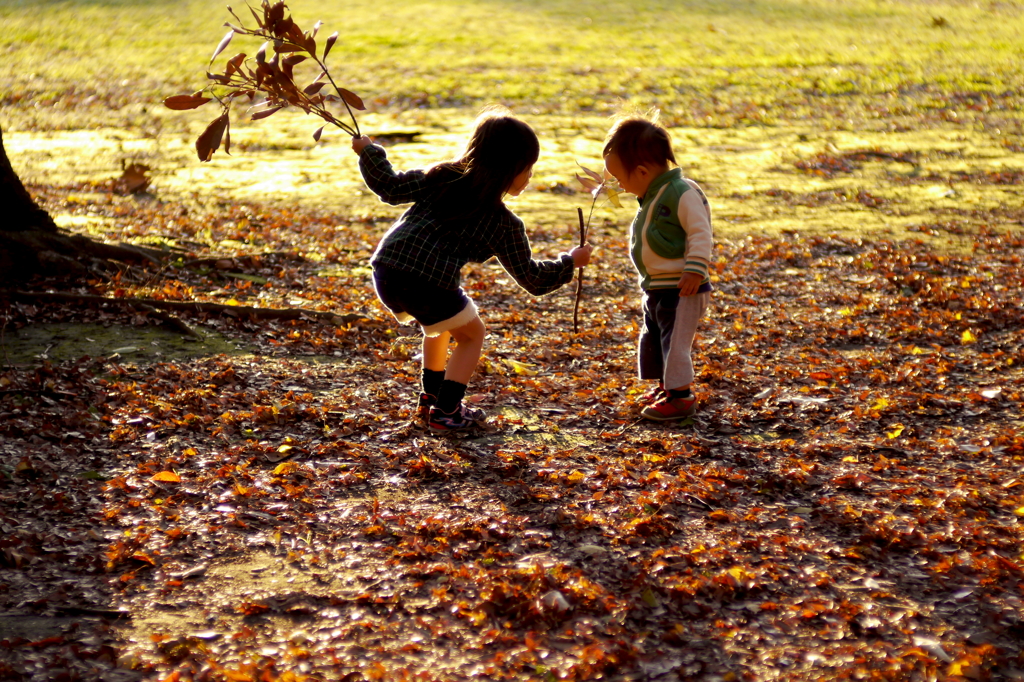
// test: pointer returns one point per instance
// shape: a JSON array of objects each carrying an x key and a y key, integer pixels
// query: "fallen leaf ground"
[
  {"x": 846, "y": 505},
  {"x": 256, "y": 505}
]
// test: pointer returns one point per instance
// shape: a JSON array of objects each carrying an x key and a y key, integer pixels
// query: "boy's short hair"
[{"x": 638, "y": 141}]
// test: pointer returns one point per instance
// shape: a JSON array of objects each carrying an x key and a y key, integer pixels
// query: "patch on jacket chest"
[{"x": 664, "y": 211}]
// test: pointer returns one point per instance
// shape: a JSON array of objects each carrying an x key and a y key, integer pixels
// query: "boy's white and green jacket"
[{"x": 671, "y": 233}]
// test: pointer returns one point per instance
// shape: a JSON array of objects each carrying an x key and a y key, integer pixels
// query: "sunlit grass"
[
  {"x": 748, "y": 87},
  {"x": 555, "y": 56}
]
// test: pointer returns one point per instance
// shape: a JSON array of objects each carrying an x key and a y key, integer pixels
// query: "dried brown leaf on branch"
[
  {"x": 271, "y": 76},
  {"x": 183, "y": 102},
  {"x": 209, "y": 140}
]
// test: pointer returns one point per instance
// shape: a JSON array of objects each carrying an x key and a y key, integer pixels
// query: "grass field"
[
  {"x": 770, "y": 102},
  {"x": 554, "y": 56}
]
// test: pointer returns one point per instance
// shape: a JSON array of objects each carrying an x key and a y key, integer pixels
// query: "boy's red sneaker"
[
  {"x": 668, "y": 409},
  {"x": 461, "y": 419}
]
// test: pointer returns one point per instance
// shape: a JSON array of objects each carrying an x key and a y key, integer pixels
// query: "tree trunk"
[{"x": 31, "y": 244}]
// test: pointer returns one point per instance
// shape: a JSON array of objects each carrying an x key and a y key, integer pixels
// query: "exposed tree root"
[{"x": 148, "y": 304}]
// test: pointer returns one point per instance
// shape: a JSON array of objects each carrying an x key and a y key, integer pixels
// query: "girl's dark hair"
[
  {"x": 638, "y": 141},
  {"x": 500, "y": 148}
]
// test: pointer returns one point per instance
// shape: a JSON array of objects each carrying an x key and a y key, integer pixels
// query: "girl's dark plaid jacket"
[{"x": 436, "y": 249}]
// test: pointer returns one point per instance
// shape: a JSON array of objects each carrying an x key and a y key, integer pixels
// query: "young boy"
[{"x": 670, "y": 244}]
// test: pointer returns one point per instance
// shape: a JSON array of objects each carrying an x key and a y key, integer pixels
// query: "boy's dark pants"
[{"x": 670, "y": 323}]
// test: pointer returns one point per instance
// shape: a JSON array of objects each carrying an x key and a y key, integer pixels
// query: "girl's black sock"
[
  {"x": 450, "y": 395},
  {"x": 431, "y": 381},
  {"x": 680, "y": 393}
]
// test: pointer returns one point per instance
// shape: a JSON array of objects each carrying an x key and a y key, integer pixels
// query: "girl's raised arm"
[{"x": 391, "y": 186}]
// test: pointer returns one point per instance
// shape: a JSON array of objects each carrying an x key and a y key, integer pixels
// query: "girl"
[{"x": 457, "y": 216}]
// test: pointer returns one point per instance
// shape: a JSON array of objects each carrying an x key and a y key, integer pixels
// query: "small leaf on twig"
[
  {"x": 330, "y": 43},
  {"x": 266, "y": 113},
  {"x": 223, "y": 44},
  {"x": 613, "y": 196},
  {"x": 274, "y": 15},
  {"x": 259, "y": 19},
  {"x": 221, "y": 78},
  {"x": 289, "y": 62},
  {"x": 282, "y": 47},
  {"x": 597, "y": 184},
  {"x": 234, "y": 64},
  {"x": 183, "y": 102},
  {"x": 588, "y": 184},
  {"x": 352, "y": 99},
  {"x": 209, "y": 141},
  {"x": 317, "y": 133},
  {"x": 597, "y": 177}
]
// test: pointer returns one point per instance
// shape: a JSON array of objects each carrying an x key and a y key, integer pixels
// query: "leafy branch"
[
  {"x": 597, "y": 185},
  {"x": 270, "y": 77}
]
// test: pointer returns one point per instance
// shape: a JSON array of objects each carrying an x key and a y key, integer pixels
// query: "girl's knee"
[{"x": 473, "y": 331}]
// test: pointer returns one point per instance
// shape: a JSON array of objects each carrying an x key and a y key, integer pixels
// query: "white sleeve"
[{"x": 694, "y": 214}]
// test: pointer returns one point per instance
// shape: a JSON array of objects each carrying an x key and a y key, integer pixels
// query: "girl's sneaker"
[
  {"x": 460, "y": 419},
  {"x": 426, "y": 401},
  {"x": 668, "y": 408}
]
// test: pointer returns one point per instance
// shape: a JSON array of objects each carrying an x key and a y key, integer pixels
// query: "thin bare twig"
[
  {"x": 579, "y": 277},
  {"x": 595, "y": 185}
]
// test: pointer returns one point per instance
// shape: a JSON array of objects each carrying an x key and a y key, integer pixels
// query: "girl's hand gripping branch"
[
  {"x": 360, "y": 143},
  {"x": 581, "y": 255}
]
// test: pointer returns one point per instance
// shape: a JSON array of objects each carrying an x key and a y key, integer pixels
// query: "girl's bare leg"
[
  {"x": 435, "y": 351},
  {"x": 469, "y": 342}
]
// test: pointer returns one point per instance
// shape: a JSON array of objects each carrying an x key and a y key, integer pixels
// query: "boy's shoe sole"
[{"x": 670, "y": 410}]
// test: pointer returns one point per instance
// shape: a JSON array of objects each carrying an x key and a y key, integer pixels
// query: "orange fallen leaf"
[{"x": 166, "y": 477}]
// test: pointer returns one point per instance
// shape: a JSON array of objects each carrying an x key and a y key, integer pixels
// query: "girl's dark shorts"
[{"x": 409, "y": 296}]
